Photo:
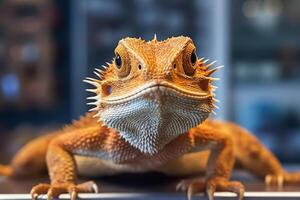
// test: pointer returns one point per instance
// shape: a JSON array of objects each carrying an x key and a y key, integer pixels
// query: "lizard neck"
[{"x": 122, "y": 152}]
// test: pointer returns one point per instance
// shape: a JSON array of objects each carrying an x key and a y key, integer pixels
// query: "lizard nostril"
[
  {"x": 106, "y": 89},
  {"x": 140, "y": 66}
]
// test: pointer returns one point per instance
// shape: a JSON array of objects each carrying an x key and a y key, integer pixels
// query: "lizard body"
[{"x": 151, "y": 108}]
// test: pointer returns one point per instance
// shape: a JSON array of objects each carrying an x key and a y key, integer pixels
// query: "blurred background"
[{"x": 47, "y": 47}]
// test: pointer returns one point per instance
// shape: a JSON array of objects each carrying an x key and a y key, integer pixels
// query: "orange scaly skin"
[{"x": 150, "y": 113}]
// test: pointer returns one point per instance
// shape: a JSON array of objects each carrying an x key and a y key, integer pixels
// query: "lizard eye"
[
  {"x": 122, "y": 62},
  {"x": 189, "y": 60},
  {"x": 193, "y": 58},
  {"x": 118, "y": 61}
]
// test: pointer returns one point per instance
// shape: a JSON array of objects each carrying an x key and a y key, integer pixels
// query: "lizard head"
[{"x": 153, "y": 91}]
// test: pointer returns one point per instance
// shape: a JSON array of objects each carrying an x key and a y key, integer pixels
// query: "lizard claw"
[
  {"x": 95, "y": 188},
  {"x": 181, "y": 186},
  {"x": 89, "y": 186},
  {"x": 210, "y": 191},
  {"x": 39, "y": 189},
  {"x": 193, "y": 186},
  {"x": 34, "y": 196},
  {"x": 54, "y": 190},
  {"x": 272, "y": 179},
  {"x": 218, "y": 184},
  {"x": 73, "y": 195}
]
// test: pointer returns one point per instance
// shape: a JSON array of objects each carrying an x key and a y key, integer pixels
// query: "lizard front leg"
[
  {"x": 62, "y": 166},
  {"x": 219, "y": 165}
]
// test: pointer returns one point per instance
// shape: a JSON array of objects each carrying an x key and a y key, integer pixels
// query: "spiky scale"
[
  {"x": 205, "y": 61},
  {"x": 92, "y": 79},
  {"x": 96, "y": 84},
  {"x": 210, "y": 64},
  {"x": 93, "y": 109},
  {"x": 210, "y": 72},
  {"x": 91, "y": 90},
  {"x": 104, "y": 67},
  {"x": 216, "y": 100},
  {"x": 93, "y": 103},
  {"x": 212, "y": 79},
  {"x": 215, "y": 106},
  {"x": 99, "y": 119},
  {"x": 100, "y": 71},
  {"x": 154, "y": 38},
  {"x": 97, "y": 114},
  {"x": 93, "y": 98},
  {"x": 98, "y": 74},
  {"x": 220, "y": 67},
  {"x": 200, "y": 59}
]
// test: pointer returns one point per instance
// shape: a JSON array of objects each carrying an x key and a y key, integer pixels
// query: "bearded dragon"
[{"x": 152, "y": 105}]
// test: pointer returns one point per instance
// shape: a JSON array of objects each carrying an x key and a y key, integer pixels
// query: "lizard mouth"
[{"x": 159, "y": 87}]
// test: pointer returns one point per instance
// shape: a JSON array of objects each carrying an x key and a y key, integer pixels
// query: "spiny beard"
[{"x": 149, "y": 125}]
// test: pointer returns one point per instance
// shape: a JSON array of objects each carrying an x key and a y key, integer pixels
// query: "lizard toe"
[
  {"x": 88, "y": 187},
  {"x": 191, "y": 186},
  {"x": 73, "y": 192},
  {"x": 195, "y": 187},
  {"x": 38, "y": 190},
  {"x": 224, "y": 185},
  {"x": 184, "y": 184},
  {"x": 274, "y": 180},
  {"x": 54, "y": 190}
]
